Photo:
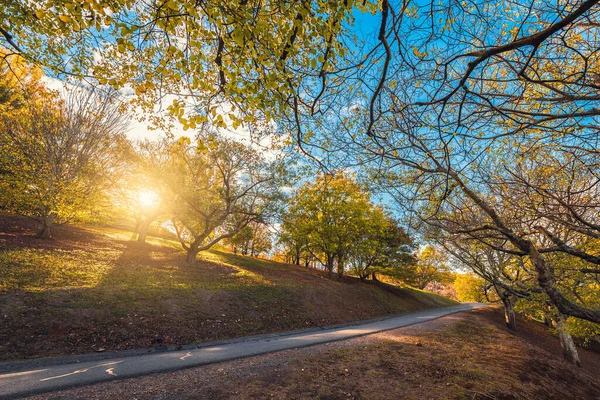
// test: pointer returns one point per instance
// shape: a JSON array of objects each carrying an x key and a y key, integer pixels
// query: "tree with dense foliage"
[
  {"x": 241, "y": 240},
  {"x": 431, "y": 265},
  {"x": 56, "y": 154},
  {"x": 470, "y": 287},
  {"x": 329, "y": 214},
  {"x": 383, "y": 247},
  {"x": 294, "y": 246},
  {"x": 235, "y": 62}
]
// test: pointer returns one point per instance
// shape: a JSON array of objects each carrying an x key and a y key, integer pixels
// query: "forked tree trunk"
[
  {"x": 566, "y": 340},
  {"x": 509, "y": 311}
]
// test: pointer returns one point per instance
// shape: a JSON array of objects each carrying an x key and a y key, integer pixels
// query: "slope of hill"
[{"x": 93, "y": 289}]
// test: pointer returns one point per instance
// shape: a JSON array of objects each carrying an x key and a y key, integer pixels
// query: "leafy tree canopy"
[{"x": 253, "y": 55}]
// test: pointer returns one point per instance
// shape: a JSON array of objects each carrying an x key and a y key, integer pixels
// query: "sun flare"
[{"x": 147, "y": 198}]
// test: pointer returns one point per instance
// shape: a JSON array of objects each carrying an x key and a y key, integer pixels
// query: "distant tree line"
[{"x": 331, "y": 223}]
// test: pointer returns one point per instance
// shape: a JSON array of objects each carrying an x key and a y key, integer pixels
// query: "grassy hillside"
[{"x": 93, "y": 289}]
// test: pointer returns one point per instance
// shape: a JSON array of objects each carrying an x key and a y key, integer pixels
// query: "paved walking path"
[{"x": 24, "y": 381}]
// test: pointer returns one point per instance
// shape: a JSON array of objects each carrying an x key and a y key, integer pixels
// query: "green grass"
[
  {"x": 95, "y": 288},
  {"x": 31, "y": 269}
]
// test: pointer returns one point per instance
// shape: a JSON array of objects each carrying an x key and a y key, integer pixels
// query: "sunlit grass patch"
[
  {"x": 164, "y": 242},
  {"x": 112, "y": 232},
  {"x": 243, "y": 275},
  {"x": 31, "y": 269}
]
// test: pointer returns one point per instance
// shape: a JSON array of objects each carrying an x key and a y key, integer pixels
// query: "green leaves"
[
  {"x": 334, "y": 219},
  {"x": 204, "y": 55}
]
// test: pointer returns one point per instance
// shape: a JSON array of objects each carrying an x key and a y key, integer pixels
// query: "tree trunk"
[
  {"x": 138, "y": 222},
  {"x": 43, "y": 232},
  {"x": 190, "y": 258},
  {"x": 547, "y": 281},
  {"x": 340, "y": 268},
  {"x": 421, "y": 282},
  {"x": 330, "y": 265},
  {"x": 509, "y": 311},
  {"x": 374, "y": 277},
  {"x": 566, "y": 340},
  {"x": 44, "y": 226},
  {"x": 143, "y": 231}
]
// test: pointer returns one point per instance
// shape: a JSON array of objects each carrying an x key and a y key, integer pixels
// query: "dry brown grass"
[{"x": 471, "y": 358}]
